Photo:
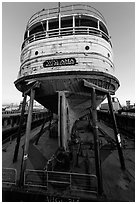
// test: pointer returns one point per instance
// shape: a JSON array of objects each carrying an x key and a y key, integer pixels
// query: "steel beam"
[
  {"x": 117, "y": 134},
  {"x": 26, "y": 145},
  {"x": 93, "y": 117},
  {"x": 19, "y": 130}
]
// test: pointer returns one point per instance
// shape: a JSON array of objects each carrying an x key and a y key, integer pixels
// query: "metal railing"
[
  {"x": 9, "y": 176},
  {"x": 82, "y": 30},
  {"x": 43, "y": 179},
  {"x": 64, "y": 10},
  {"x": 73, "y": 181}
]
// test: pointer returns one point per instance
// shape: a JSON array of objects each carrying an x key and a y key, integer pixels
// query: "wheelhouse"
[{"x": 69, "y": 20}]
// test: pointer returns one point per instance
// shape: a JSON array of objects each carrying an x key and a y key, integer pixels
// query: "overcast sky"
[{"x": 120, "y": 19}]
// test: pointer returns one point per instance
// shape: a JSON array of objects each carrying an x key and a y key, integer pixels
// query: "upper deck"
[
  {"x": 74, "y": 19},
  {"x": 70, "y": 42}
]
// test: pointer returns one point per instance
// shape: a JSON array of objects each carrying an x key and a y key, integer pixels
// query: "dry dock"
[
  {"x": 118, "y": 185},
  {"x": 71, "y": 154}
]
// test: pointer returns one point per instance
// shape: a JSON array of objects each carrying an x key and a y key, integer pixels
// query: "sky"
[{"x": 120, "y": 18}]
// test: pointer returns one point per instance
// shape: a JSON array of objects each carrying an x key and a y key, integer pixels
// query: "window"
[
  {"x": 36, "y": 28},
  {"x": 44, "y": 25},
  {"x": 53, "y": 24},
  {"x": 67, "y": 22},
  {"x": 87, "y": 21},
  {"x": 103, "y": 28}
]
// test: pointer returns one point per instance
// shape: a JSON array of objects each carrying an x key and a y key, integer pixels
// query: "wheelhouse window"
[
  {"x": 67, "y": 22},
  {"x": 39, "y": 27},
  {"x": 103, "y": 27},
  {"x": 87, "y": 21},
  {"x": 53, "y": 24}
]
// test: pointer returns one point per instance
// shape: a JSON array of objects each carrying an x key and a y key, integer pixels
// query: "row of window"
[{"x": 81, "y": 20}]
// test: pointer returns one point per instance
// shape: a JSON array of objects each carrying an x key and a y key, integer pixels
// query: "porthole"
[
  {"x": 108, "y": 55},
  {"x": 87, "y": 48},
  {"x": 36, "y": 53}
]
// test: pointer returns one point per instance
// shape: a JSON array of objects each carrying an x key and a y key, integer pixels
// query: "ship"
[
  {"x": 67, "y": 66},
  {"x": 63, "y": 49}
]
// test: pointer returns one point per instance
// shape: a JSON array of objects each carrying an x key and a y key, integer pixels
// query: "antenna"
[
  {"x": 59, "y": 16},
  {"x": 59, "y": 7}
]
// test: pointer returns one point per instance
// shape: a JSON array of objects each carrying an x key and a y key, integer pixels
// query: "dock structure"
[
  {"x": 67, "y": 66},
  {"x": 27, "y": 173},
  {"x": 115, "y": 181}
]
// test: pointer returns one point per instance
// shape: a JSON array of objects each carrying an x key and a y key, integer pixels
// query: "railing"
[
  {"x": 65, "y": 32},
  {"x": 126, "y": 124},
  {"x": 9, "y": 176},
  {"x": 69, "y": 9},
  {"x": 73, "y": 181}
]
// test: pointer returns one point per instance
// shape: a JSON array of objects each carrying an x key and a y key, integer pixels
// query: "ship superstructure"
[{"x": 64, "y": 48}]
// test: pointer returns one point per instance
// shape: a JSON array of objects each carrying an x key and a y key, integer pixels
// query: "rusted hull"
[
  {"x": 72, "y": 82},
  {"x": 76, "y": 97}
]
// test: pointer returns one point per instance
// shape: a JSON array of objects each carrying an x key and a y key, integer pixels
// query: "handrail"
[
  {"x": 69, "y": 9},
  {"x": 9, "y": 176},
  {"x": 76, "y": 181},
  {"x": 61, "y": 172},
  {"x": 64, "y": 32}
]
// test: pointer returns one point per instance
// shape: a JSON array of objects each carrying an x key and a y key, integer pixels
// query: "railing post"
[
  {"x": 47, "y": 179},
  {"x": 70, "y": 181},
  {"x": 73, "y": 24},
  {"x": 47, "y": 28},
  {"x": 117, "y": 135},
  {"x": 88, "y": 31}
]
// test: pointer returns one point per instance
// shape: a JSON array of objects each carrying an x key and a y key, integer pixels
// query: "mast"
[
  {"x": 59, "y": 8},
  {"x": 59, "y": 16}
]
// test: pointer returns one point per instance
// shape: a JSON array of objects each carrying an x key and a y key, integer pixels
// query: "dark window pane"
[
  {"x": 36, "y": 28},
  {"x": 67, "y": 22},
  {"x": 103, "y": 28},
  {"x": 54, "y": 24},
  {"x": 78, "y": 21},
  {"x": 44, "y": 25},
  {"x": 87, "y": 21}
]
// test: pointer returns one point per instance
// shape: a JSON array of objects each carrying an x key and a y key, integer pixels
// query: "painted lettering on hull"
[{"x": 59, "y": 62}]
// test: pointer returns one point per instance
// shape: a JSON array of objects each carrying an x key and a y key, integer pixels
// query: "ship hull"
[
  {"x": 72, "y": 82},
  {"x": 76, "y": 98}
]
